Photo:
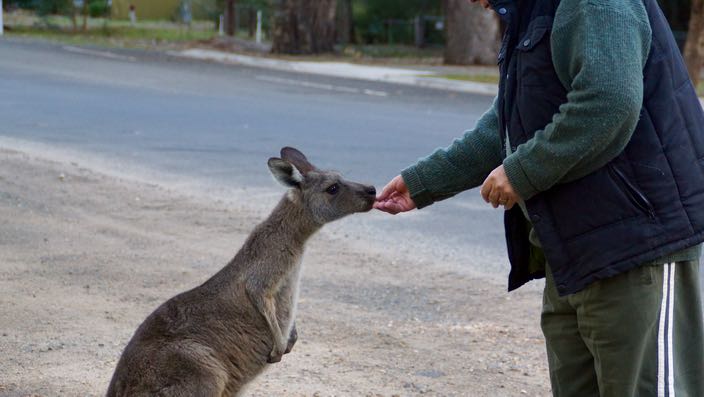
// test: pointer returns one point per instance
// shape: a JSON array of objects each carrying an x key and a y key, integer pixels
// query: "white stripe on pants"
[{"x": 666, "y": 383}]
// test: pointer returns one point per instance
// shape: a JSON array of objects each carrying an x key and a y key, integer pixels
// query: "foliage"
[
  {"x": 397, "y": 9},
  {"x": 259, "y": 4},
  {"x": 98, "y": 8},
  {"x": 391, "y": 21},
  {"x": 95, "y": 8},
  {"x": 27, "y": 4},
  {"x": 47, "y": 7}
]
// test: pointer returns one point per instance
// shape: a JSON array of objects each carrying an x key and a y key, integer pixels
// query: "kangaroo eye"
[{"x": 332, "y": 189}]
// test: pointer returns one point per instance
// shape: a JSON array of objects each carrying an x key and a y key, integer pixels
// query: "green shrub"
[
  {"x": 98, "y": 8},
  {"x": 48, "y": 7},
  {"x": 26, "y": 4}
]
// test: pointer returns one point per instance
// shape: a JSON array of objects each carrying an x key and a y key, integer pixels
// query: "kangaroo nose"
[{"x": 371, "y": 190}]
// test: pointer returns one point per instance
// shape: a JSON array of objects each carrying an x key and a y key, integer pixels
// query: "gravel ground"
[{"x": 84, "y": 257}]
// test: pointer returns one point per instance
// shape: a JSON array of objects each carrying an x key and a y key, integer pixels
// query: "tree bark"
[
  {"x": 74, "y": 21},
  {"x": 304, "y": 26},
  {"x": 345, "y": 22},
  {"x": 694, "y": 46},
  {"x": 471, "y": 34},
  {"x": 230, "y": 17},
  {"x": 85, "y": 16},
  {"x": 252, "y": 22}
]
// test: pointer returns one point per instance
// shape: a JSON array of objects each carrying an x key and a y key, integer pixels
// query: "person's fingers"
[
  {"x": 407, "y": 203},
  {"x": 485, "y": 190},
  {"x": 494, "y": 196},
  {"x": 395, "y": 185},
  {"x": 390, "y": 207},
  {"x": 380, "y": 205},
  {"x": 387, "y": 205},
  {"x": 386, "y": 191},
  {"x": 400, "y": 203},
  {"x": 394, "y": 195},
  {"x": 509, "y": 204}
]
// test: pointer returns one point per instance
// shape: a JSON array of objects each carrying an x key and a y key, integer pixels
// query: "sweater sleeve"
[
  {"x": 599, "y": 49},
  {"x": 461, "y": 166}
]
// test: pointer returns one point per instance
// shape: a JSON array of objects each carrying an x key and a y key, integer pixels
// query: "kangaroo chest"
[{"x": 287, "y": 297}]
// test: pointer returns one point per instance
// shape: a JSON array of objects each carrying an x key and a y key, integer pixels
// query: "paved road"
[{"x": 215, "y": 126}]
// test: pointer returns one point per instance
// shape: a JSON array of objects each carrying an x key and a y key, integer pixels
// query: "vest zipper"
[{"x": 633, "y": 193}]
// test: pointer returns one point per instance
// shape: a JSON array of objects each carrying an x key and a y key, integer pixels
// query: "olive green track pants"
[{"x": 640, "y": 333}]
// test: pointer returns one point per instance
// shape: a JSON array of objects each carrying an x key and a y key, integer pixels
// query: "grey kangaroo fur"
[{"x": 215, "y": 338}]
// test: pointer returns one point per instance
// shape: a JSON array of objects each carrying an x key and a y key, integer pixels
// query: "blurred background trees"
[
  {"x": 460, "y": 33},
  {"x": 694, "y": 46},
  {"x": 472, "y": 34},
  {"x": 303, "y": 26}
]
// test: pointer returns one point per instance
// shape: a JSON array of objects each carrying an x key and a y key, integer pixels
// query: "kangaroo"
[{"x": 215, "y": 338}]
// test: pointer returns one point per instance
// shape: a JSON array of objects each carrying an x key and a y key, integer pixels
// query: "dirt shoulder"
[{"x": 84, "y": 257}]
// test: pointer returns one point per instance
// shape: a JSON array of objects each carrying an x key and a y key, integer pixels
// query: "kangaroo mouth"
[{"x": 369, "y": 204}]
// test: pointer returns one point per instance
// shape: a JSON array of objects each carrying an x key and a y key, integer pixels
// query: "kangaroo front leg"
[
  {"x": 292, "y": 338},
  {"x": 279, "y": 340},
  {"x": 267, "y": 308}
]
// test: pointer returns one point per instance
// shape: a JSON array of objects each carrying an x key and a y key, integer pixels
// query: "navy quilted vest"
[{"x": 646, "y": 203}]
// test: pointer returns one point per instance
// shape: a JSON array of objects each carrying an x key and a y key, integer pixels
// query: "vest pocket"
[
  {"x": 588, "y": 205},
  {"x": 534, "y": 55},
  {"x": 631, "y": 191}
]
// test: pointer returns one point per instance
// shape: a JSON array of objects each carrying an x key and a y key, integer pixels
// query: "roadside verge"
[{"x": 412, "y": 77}]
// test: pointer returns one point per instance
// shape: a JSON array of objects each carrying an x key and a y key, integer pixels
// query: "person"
[{"x": 594, "y": 146}]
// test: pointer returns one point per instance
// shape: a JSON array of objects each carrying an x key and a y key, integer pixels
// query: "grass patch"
[
  {"x": 107, "y": 32},
  {"x": 393, "y": 51},
  {"x": 401, "y": 54},
  {"x": 478, "y": 78}
]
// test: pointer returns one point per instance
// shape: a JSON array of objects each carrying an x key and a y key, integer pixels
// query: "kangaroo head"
[{"x": 324, "y": 194}]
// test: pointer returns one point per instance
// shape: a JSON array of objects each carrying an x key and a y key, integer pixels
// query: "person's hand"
[
  {"x": 497, "y": 189},
  {"x": 395, "y": 197}
]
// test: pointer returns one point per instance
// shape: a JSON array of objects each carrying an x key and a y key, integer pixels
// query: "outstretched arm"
[{"x": 448, "y": 171}]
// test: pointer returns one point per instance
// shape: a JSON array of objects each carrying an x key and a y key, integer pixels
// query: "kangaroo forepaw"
[
  {"x": 274, "y": 357},
  {"x": 292, "y": 338}
]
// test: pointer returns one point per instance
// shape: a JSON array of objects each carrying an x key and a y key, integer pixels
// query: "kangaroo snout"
[{"x": 368, "y": 193}]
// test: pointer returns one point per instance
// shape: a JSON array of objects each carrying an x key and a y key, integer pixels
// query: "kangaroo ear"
[
  {"x": 298, "y": 159},
  {"x": 285, "y": 172}
]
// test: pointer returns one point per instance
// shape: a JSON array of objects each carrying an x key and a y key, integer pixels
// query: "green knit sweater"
[{"x": 599, "y": 49}]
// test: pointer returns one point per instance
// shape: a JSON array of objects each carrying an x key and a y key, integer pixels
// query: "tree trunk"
[
  {"x": 230, "y": 17},
  {"x": 471, "y": 34},
  {"x": 74, "y": 22},
  {"x": 694, "y": 47},
  {"x": 85, "y": 15},
  {"x": 252, "y": 22},
  {"x": 304, "y": 26},
  {"x": 345, "y": 22}
]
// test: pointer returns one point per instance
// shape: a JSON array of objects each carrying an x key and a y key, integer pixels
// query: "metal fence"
[{"x": 419, "y": 31}]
